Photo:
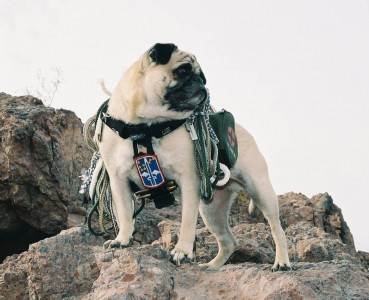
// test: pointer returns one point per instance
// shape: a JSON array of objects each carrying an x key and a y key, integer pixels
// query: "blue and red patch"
[{"x": 149, "y": 170}]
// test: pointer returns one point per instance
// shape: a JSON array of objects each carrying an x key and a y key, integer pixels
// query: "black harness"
[{"x": 141, "y": 136}]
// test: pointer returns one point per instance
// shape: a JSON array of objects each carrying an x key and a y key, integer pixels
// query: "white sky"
[{"x": 294, "y": 73}]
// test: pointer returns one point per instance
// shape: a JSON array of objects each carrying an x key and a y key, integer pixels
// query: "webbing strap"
[{"x": 137, "y": 131}]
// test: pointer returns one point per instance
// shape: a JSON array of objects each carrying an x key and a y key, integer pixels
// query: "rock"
[
  {"x": 328, "y": 217},
  {"x": 324, "y": 280},
  {"x": 239, "y": 212},
  {"x": 58, "y": 267},
  {"x": 255, "y": 244},
  {"x": 319, "y": 211},
  {"x": 41, "y": 155},
  {"x": 364, "y": 258},
  {"x": 147, "y": 224},
  {"x": 143, "y": 273},
  {"x": 72, "y": 265},
  {"x": 312, "y": 244},
  {"x": 294, "y": 208}
]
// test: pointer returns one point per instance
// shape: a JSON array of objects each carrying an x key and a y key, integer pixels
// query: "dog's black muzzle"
[{"x": 186, "y": 95}]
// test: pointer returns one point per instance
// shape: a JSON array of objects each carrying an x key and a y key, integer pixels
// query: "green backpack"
[{"x": 223, "y": 125}]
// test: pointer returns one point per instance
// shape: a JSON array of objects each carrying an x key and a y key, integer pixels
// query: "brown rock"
[
  {"x": 60, "y": 266},
  {"x": 239, "y": 212},
  {"x": 143, "y": 273},
  {"x": 294, "y": 208},
  {"x": 324, "y": 280},
  {"x": 312, "y": 244},
  {"x": 41, "y": 156},
  {"x": 147, "y": 229},
  {"x": 319, "y": 211},
  {"x": 329, "y": 217},
  {"x": 72, "y": 265}
]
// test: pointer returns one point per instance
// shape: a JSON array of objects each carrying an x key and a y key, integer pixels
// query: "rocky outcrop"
[
  {"x": 62, "y": 265},
  {"x": 41, "y": 156},
  {"x": 72, "y": 265},
  {"x": 318, "y": 212}
]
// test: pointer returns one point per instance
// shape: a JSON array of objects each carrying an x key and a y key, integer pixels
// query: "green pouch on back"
[{"x": 223, "y": 125}]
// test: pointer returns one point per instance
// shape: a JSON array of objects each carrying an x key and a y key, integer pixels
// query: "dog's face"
[
  {"x": 174, "y": 77},
  {"x": 164, "y": 83}
]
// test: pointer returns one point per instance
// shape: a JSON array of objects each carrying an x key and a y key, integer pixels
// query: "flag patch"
[{"x": 149, "y": 170}]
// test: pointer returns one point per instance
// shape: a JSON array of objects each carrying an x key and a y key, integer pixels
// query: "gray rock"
[
  {"x": 72, "y": 265},
  {"x": 320, "y": 212},
  {"x": 41, "y": 155},
  {"x": 59, "y": 267}
]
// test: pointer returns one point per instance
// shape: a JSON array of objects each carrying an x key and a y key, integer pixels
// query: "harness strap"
[
  {"x": 141, "y": 135},
  {"x": 138, "y": 131}
]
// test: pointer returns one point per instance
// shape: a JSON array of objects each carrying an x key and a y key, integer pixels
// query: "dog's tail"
[
  {"x": 103, "y": 87},
  {"x": 252, "y": 208}
]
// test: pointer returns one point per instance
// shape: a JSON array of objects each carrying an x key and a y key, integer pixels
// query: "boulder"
[
  {"x": 60, "y": 266},
  {"x": 320, "y": 212},
  {"x": 41, "y": 156}
]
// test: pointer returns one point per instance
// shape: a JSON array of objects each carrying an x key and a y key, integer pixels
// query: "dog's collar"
[{"x": 138, "y": 131}]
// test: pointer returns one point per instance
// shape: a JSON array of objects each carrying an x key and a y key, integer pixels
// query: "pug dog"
[{"x": 167, "y": 84}]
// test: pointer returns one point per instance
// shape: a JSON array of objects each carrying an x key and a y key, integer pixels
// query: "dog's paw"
[
  {"x": 115, "y": 244},
  {"x": 180, "y": 257},
  {"x": 208, "y": 267},
  {"x": 182, "y": 253},
  {"x": 281, "y": 267}
]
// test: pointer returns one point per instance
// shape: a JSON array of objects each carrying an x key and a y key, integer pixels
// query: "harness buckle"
[
  {"x": 191, "y": 129},
  {"x": 142, "y": 195}
]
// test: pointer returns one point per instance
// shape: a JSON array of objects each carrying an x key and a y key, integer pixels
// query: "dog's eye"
[{"x": 182, "y": 71}]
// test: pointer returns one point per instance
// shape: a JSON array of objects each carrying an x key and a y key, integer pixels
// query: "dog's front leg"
[
  {"x": 123, "y": 211},
  {"x": 190, "y": 209}
]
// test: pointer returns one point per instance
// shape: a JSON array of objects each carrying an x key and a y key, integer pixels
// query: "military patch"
[{"x": 149, "y": 170}]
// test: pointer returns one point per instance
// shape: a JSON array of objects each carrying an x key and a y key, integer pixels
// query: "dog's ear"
[{"x": 161, "y": 53}]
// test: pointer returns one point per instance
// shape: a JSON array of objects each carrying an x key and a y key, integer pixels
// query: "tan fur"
[
  {"x": 138, "y": 98},
  {"x": 127, "y": 96}
]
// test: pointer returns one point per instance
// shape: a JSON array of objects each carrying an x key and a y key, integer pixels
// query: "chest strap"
[
  {"x": 141, "y": 135},
  {"x": 139, "y": 131}
]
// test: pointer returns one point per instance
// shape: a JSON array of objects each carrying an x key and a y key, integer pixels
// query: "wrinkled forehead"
[{"x": 180, "y": 57}]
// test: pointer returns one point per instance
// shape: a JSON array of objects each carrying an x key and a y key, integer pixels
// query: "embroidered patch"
[{"x": 149, "y": 170}]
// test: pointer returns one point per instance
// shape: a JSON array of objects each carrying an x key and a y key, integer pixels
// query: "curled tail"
[
  {"x": 252, "y": 208},
  {"x": 103, "y": 87}
]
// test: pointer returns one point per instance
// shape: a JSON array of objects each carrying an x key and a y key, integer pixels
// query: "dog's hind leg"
[
  {"x": 253, "y": 171},
  {"x": 266, "y": 201},
  {"x": 215, "y": 217}
]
